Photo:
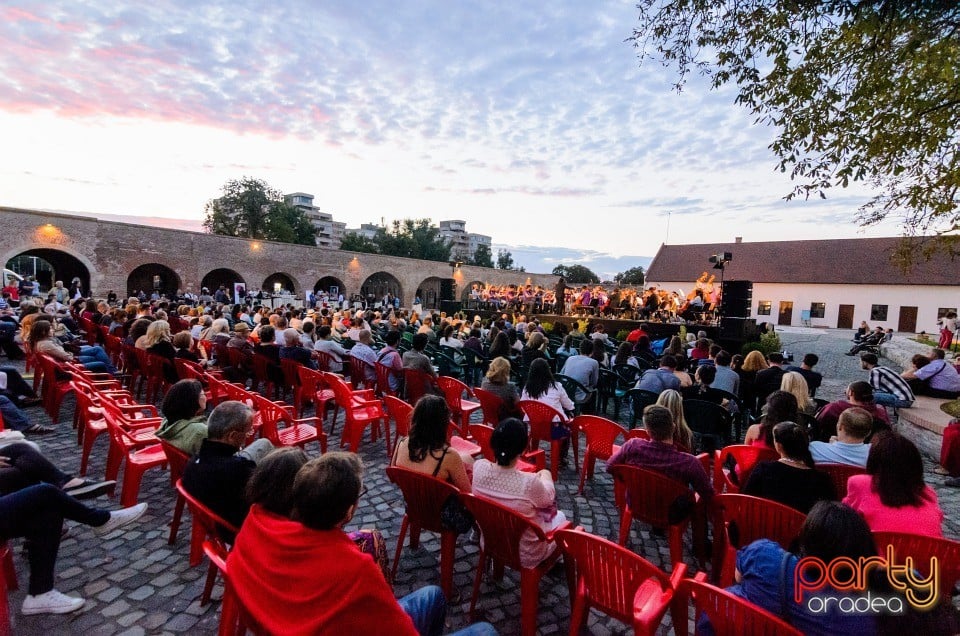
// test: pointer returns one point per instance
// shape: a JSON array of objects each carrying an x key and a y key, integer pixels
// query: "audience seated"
[
  {"x": 363, "y": 351},
  {"x": 530, "y": 494},
  {"x": 583, "y": 367},
  {"x": 293, "y": 349},
  {"x": 682, "y": 435},
  {"x": 23, "y": 465},
  {"x": 794, "y": 384},
  {"x": 703, "y": 389},
  {"x": 814, "y": 379},
  {"x": 847, "y": 446},
  {"x": 389, "y": 356},
  {"x": 870, "y": 340},
  {"x": 660, "y": 379},
  {"x": 892, "y": 495},
  {"x": 184, "y": 416},
  {"x": 497, "y": 381},
  {"x": 769, "y": 379},
  {"x": 858, "y": 394},
  {"x": 933, "y": 376},
  {"x": 780, "y": 407},
  {"x": 426, "y": 449},
  {"x": 792, "y": 480},
  {"x": 889, "y": 388},
  {"x": 726, "y": 378},
  {"x": 326, "y": 344}
]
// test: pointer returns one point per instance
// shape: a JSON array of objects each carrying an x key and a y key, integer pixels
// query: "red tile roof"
[{"x": 866, "y": 261}]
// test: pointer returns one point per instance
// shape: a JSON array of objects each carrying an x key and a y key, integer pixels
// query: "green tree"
[
  {"x": 858, "y": 90},
  {"x": 412, "y": 238},
  {"x": 576, "y": 274},
  {"x": 504, "y": 259},
  {"x": 358, "y": 243},
  {"x": 250, "y": 208},
  {"x": 482, "y": 257},
  {"x": 633, "y": 276}
]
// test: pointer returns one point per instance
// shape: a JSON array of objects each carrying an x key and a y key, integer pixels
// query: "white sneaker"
[
  {"x": 52, "y": 602},
  {"x": 121, "y": 518}
]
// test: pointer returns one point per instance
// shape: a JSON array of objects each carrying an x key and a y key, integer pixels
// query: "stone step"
[{"x": 924, "y": 424}]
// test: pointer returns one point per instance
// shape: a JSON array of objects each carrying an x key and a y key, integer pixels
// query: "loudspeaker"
[
  {"x": 451, "y": 307},
  {"x": 446, "y": 289},
  {"x": 737, "y": 298},
  {"x": 739, "y": 329}
]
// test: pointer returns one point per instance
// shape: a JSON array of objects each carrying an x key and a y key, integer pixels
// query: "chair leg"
[
  {"x": 208, "y": 586},
  {"x": 529, "y": 601},
  {"x": 588, "y": 462},
  {"x": 481, "y": 566},
  {"x": 197, "y": 535},
  {"x": 396, "y": 556},
  {"x": 448, "y": 550},
  {"x": 554, "y": 458},
  {"x": 132, "y": 476},
  {"x": 675, "y": 534},
  {"x": 578, "y": 614},
  {"x": 88, "y": 439},
  {"x": 177, "y": 517},
  {"x": 114, "y": 459},
  {"x": 625, "y": 520}
]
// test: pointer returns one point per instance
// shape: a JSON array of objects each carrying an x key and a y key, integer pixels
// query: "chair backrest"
[
  {"x": 839, "y": 474},
  {"x": 423, "y": 494},
  {"x": 178, "y": 460},
  {"x": 324, "y": 360},
  {"x": 453, "y": 390},
  {"x": 922, "y": 549},
  {"x": 641, "y": 398},
  {"x": 610, "y": 573},
  {"x": 401, "y": 412},
  {"x": 572, "y": 386},
  {"x": 651, "y": 495},
  {"x": 189, "y": 370},
  {"x": 601, "y": 433},
  {"x": 628, "y": 374},
  {"x": 383, "y": 379},
  {"x": 310, "y": 381},
  {"x": 745, "y": 458},
  {"x": 481, "y": 434},
  {"x": 541, "y": 417},
  {"x": 491, "y": 405},
  {"x": 291, "y": 375},
  {"x": 212, "y": 523},
  {"x": 710, "y": 422},
  {"x": 757, "y": 518},
  {"x": 415, "y": 384},
  {"x": 501, "y": 527},
  {"x": 261, "y": 367},
  {"x": 728, "y": 613},
  {"x": 360, "y": 372}
]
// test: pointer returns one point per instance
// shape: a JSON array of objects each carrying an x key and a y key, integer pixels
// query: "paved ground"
[{"x": 135, "y": 583}]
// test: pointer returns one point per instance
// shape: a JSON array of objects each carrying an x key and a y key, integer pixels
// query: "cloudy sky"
[{"x": 533, "y": 122}]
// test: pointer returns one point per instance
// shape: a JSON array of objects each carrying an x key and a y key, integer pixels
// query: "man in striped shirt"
[{"x": 889, "y": 389}]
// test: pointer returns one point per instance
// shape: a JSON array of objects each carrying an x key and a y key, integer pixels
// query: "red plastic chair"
[
  {"x": 728, "y": 614},
  {"x": 618, "y": 582},
  {"x": 922, "y": 549},
  {"x": 325, "y": 361},
  {"x": 53, "y": 389},
  {"x": 311, "y": 387},
  {"x": 360, "y": 370},
  {"x": 649, "y": 498},
  {"x": 745, "y": 458},
  {"x": 383, "y": 379},
  {"x": 424, "y": 496},
  {"x": 601, "y": 434},
  {"x": 460, "y": 409},
  {"x": 133, "y": 443},
  {"x": 8, "y": 582},
  {"x": 178, "y": 462},
  {"x": 293, "y": 432},
  {"x": 90, "y": 418},
  {"x": 490, "y": 405},
  {"x": 740, "y": 520},
  {"x": 360, "y": 411},
  {"x": 263, "y": 377},
  {"x": 291, "y": 381},
  {"x": 401, "y": 413},
  {"x": 839, "y": 474},
  {"x": 502, "y": 529},
  {"x": 542, "y": 417},
  {"x": 416, "y": 384},
  {"x": 205, "y": 525},
  {"x": 230, "y": 621},
  {"x": 530, "y": 462}
]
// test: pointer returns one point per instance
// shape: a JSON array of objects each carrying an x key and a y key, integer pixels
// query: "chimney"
[{"x": 738, "y": 239}]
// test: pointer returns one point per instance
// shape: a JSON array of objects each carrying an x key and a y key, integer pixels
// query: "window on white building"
[
  {"x": 763, "y": 307},
  {"x": 878, "y": 312},
  {"x": 818, "y": 310},
  {"x": 943, "y": 311}
]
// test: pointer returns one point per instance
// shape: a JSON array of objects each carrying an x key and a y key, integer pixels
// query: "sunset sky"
[{"x": 534, "y": 122}]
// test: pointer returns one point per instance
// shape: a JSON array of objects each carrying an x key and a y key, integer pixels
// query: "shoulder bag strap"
[{"x": 436, "y": 470}]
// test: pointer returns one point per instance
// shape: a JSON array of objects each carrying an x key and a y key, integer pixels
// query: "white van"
[{"x": 8, "y": 274}]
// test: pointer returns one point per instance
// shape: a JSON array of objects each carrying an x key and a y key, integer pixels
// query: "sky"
[{"x": 535, "y": 123}]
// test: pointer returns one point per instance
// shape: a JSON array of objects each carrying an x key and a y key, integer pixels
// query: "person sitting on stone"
[
  {"x": 217, "y": 475},
  {"x": 933, "y": 376},
  {"x": 847, "y": 446},
  {"x": 889, "y": 388}
]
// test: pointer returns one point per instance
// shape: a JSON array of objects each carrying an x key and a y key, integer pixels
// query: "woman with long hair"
[
  {"x": 426, "y": 449},
  {"x": 892, "y": 496},
  {"x": 792, "y": 480},
  {"x": 500, "y": 347},
  {"x": 624, "y": 355},
  {"x": 796, "y": 385},
  {"x": 780, "y": 407},
  {"x": 755, "y": 361},
  {"x": 542, "y": 387},
  {"x": 184, "y": 416},
  {"x": 682, "y": 435},
  {"x": 92, "y": 358}
]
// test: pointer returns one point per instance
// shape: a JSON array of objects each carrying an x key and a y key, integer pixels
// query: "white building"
[
  {"x": 329, "y": 232},
  {"x": 825, "y": 283},
  {"x": 366, "y": 230},
  {"x": 463, "y": 244}
]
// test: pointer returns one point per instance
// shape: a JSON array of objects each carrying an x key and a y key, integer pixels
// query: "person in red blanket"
[{"x": 305, "y": 576}]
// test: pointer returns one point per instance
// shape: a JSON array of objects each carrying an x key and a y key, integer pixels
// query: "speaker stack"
[{"x": 737, "y": 298}]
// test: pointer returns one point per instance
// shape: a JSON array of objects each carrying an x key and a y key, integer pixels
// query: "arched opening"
[
  {"x": 222, "y": 277},
  {"x": 279, "y": 283},
  {"x": 466, "y": 294},
  {"x": 330, "y": 285},
  {"x": 434, "y": 290},
  {"x": 49, "y": 266},
  {"x": 153, "y": 277},
  {"x": 378, "y": 285}
]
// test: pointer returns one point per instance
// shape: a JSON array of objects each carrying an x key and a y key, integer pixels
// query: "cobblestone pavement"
[{"x": 135, "y": 583}]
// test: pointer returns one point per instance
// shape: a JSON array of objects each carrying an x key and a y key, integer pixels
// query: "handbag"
[{"x": 453, "y": 514}]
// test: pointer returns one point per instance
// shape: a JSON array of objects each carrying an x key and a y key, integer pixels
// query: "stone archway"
[
  {"x": 434, "y": 290},
  {"x": 326, "y": 285},
  {"x": 379, "y": 284},
  {"x": 50, "y": 265},
  {"x": 465, "y": 291},
  {"x": 284, "y": 280},
  {"x": 221, "y": 276},
  {"x": 151, "y": 277}
]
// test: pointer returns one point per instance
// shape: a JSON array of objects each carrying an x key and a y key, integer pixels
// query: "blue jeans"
[
  {"x": 93, "y": 354},
  {"x": 13, "y": 417},
  {"x": 889, "y": 399},
  {"x": 428, "y": 609}
]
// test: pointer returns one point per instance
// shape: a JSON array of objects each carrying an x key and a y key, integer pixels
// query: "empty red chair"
[
  {"x": 728, "y": 613},
  {"x": 502, "y": 529},
  {"x": 401, "y": 413},
  {"x": 8, "y": 582},
  {"x": 311, "y": 387},
  {"x": 617, "y": 582},
  {"x": 745, "y": 458},
  {"x": 460, "y": 409},
  {"x": 542, "y": 418},
  {"x": 839, "y": 474},
  {"x": 490, "y": 405},
  {"x": 601, "y": 434},
  {"x": 650, "y": 497},
  {"x": 740, "y": 520},
  {"x": 358, "y": 412},
  {"x": 278, "y": 425},
  {"x": 53, "y": 388},
  {"x": 90, "y": 418},
  {"x": 205, "y": 525},
  {"x": 424, "y": 497},
  {"x": 921, "y": 549},
  {"x": 291, "y": 380},
  {"x": 530, "y": 462},
  {"x": 178, "y": 462},
  {"x": 133, "y": 442}
]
